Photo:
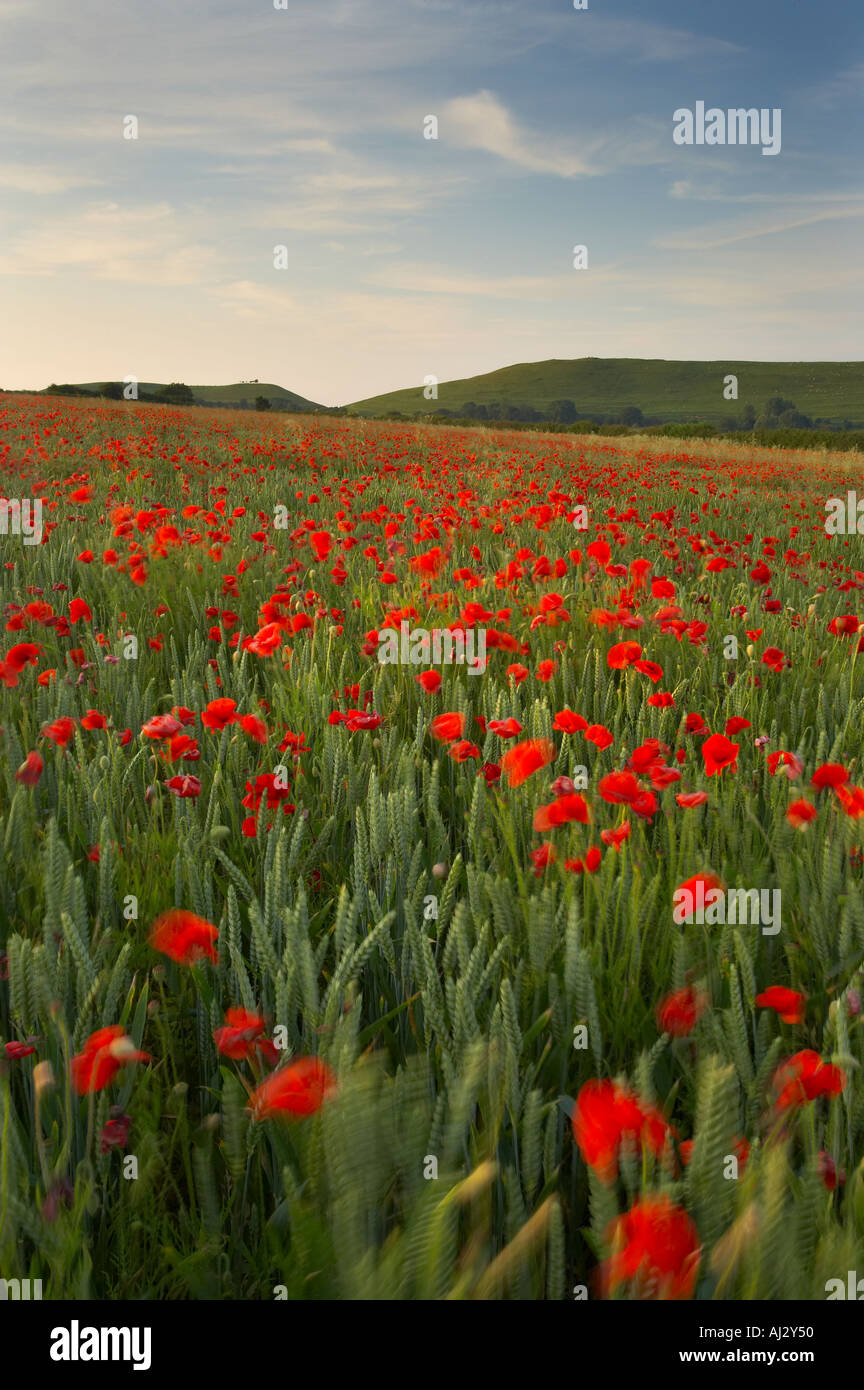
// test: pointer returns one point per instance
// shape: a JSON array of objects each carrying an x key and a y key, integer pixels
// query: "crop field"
[{"x": 333, "y": 966}]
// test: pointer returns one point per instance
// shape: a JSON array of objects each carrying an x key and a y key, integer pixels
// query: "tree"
[
  {"x": 562, "y": 412},
  {"x": 178, "y": 393},
  {"x": 262, "y": 403},
  {"x": 631, "y": 415},
  {"x": 113, "y": 390}
]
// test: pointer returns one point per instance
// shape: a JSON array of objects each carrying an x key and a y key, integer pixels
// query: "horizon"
[{"x": 342, "y": 405}]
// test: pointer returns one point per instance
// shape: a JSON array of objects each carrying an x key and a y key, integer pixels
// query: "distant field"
[{"x": 669, "y": 390}]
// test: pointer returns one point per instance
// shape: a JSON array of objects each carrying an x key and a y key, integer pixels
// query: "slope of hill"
[
  {"x": 663, "y": 391},
  {"x": 235, "y": 394}
]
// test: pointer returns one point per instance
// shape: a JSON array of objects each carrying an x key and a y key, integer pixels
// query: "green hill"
[
  {"x": 663, "y": 391},
  {"x": 239, "y": 394}
]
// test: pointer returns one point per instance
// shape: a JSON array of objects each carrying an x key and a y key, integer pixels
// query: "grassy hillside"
[
  {"x": 229, "y": 395},
  {"x": 665, "y": 390}
]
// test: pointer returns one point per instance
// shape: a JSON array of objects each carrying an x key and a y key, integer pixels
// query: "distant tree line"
[{"x": 777, "y": 414}]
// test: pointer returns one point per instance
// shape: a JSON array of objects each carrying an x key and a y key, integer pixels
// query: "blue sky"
[{"x": 409, "y": 257}]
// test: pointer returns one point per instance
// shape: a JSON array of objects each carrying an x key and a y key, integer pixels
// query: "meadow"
[{"x": 328, "y": 978}]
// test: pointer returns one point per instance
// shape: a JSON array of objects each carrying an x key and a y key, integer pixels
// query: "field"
[{"x": 327, "y": 977}]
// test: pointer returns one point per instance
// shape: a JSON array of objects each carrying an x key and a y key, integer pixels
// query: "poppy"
[
  {"x": 718, "y": 753},
  {"x": 788, "y": 1003},
  {"x": 430, "y": 681},
  {"x": 678, "y": 1013},
  {"x": 562, "y": 811},
  {"x": 184, "y": 786},
  {"x": 300, "y": 1088},
  {"x": 161, "y": 726},
  {"x": 622, "y": 655},
  {"x": 30, "y": 770},
  {"x": 462, "y": 750},
  {"x": 603, "y": 1115},
  {"x": 806, "y": 1077},
  {"x": 800, "y": 813},
  {"x": 656, "y": 1246},
  {"x": 219, "y": 714},
  {"x": 523, "y": 759},
  {"x": 505, "y": 728},
  {"x": 566, "y": 722},
  {"x": 105, "y": 1052},
  {"x": 242, "y": 1036},
  {"x": 61, "y": 731},
  {"x": 691, "y": 799},
  {"x": 184, "y": 937},
  {"x": 446, "y": 728},
  {"x": 829, "y": 775}
]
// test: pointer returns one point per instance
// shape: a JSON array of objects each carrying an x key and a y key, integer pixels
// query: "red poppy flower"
[
  {"x": 566, "y": 722},
  {"x": 562, "y": 811},
  {"x": 775, "y": 659},
  {"x": 105, "y": 1052},
  {"x": 690, "y": 799},
  {"x": 652, "y": 671},
  {"x": 788, "y": 1003},
  {"x": 504, "y": 728},
  {"x": 622, "y": 655},
  {"x": 79, "y": 609},
  {"x": 462, "y": 750},
  {"x": 16, "y": 1050},
  {"x": 61, "y": 731},
  {"x": 619, "y": 788},
  {"x": 719, "y": 753},
  {"x": 184, "y": 786},
  {"x": 254, "y": 727},
  {"x": 678, "y": 1013},
  {"x": 829, "y": 775},
  {"x": 161, "y": 726},
  {"x": 599, "y": 735},
  {"x": 616, "y": 838},
  {"x": 30, "y": 770},
  {"x": 800, "y": 813},
  {"x": 430, "y": 681},
  {"x": 806, "y": 1077},
  {"x": 603, "y": 1115},
  {"x": 242, "y": 1036},
  {"x": 300, "y": 1088},
  {"x": 219, "y": 714},
  {"x": 852, "y": 800},
  {"x": 656, "y": 1247},
  {"x": 735, "y": 725},
  {"x": 184, "y": 937},
  {"x": 523, "y": 759},
  {"x": 789, "y": 764},
  {"x": 23, "y": 654},
  {"x": 446, "y": 728}
]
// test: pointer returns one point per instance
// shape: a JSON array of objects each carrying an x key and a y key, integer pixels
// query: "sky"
[{"x": 405, "y": 257}]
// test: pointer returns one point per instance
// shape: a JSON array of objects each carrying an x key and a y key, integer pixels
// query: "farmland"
[{"x": 323, "y": 977}]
